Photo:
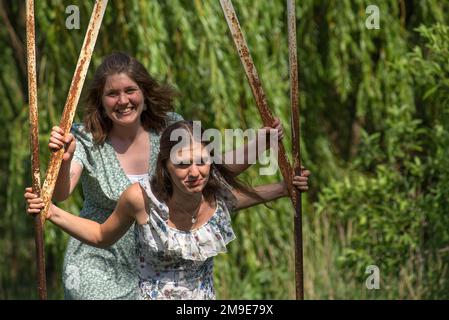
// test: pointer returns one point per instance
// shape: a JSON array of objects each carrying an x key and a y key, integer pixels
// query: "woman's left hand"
[
  {"x": 276, "y": 130},
  {"x": 302, "y": 182}
]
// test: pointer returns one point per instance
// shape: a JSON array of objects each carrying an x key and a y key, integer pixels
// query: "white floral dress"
[{"x": 175, "y": 264}]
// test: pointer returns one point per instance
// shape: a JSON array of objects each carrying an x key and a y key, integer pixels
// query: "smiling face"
[
  {"x": 122, "y": 100},
  {"x": 190, "y": 170}
]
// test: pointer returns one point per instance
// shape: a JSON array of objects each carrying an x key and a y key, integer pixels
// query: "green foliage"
[{"x": 395, "y": 198}]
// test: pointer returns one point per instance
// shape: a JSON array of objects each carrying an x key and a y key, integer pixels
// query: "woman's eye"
[{"x": 130, "y": 90}]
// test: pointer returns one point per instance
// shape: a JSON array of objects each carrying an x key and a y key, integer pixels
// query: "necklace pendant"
[{"x": 193, "y": 220}]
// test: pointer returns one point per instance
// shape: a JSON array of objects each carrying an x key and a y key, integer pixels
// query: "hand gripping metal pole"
[{"x": 72, "y": 99}]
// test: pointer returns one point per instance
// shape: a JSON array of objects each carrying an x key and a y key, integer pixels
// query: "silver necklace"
[{"x": 193, "y": 216}]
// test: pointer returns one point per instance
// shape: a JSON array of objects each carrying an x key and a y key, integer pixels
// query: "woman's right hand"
[
  {"x": 58, "y": 141},
  {"x": 34, "y": 203}
]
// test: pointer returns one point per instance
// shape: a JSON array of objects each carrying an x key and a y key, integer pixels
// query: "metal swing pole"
[
  {"x": 294, "y": 106},
  {"x": 34, "y": 145}
]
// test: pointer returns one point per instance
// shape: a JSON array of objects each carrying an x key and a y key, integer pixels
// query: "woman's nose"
[
  {"x": 194, "y": 172},
  {"x": 123, "y": 98}
]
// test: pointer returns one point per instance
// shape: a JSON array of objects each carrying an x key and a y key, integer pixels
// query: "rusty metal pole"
[
  {"x": 34, "y": 145},
  {"x": 256, "y": 87},
  {"x": 294, "y": 105},
  {"x": 72, "y": 99}
]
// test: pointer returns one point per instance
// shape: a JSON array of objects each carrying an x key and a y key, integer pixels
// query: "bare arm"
[
  {"x": 70, "y": 172},
  {"x": 252, "y": 150},
  {"x": 266, "y": 192},
  {"x": 130, "y": 207},
  {"x": 270, "y": 192},
  {"x": 68, "y": 177},
  {"x": 237, "y": 168}
]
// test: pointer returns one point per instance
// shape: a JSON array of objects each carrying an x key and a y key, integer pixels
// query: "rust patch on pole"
[
  {"x": 256, "y": 87},
  {"x": 73, "y": 98},
  {"x": 294, "y": 105},
  {"x": 34, "y": 145}
]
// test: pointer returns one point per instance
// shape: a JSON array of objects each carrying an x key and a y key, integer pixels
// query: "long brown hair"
[
  {"x": 157, "y": 97},
  {"x": 219, "y": 175}
]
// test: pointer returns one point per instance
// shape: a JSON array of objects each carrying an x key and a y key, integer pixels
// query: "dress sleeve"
[
  {"x": 173, "y": 117},
  {"x": 83, "y": 142}
]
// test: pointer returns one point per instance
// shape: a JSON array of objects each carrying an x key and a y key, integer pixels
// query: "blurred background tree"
[{"x": 374, "y": 116}]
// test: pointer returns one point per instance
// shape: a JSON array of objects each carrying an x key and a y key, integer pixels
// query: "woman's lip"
[
  {"x": 194, "y": 183},
  {"x": 122, "y": 111}
]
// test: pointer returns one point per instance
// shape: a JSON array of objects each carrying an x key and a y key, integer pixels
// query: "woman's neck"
[
  {"x": 128, "y": 133},
  {"x": 186, "y": 202}
]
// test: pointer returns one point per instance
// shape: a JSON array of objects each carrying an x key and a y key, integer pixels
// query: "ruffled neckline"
[
  {"x": 198, "y": 244},
  {"x": 165, "y": 219}
]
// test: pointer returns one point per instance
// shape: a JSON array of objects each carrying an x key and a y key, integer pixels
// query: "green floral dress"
[{"x": 111, "y": 273}]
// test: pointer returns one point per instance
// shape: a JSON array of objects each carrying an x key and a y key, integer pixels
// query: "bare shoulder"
[{"x": 134, "y": 198}]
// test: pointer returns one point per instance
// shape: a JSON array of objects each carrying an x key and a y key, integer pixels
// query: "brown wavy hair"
[
  {"x": 220, "y": 176},
  {"x": 159, "y": 98}
]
